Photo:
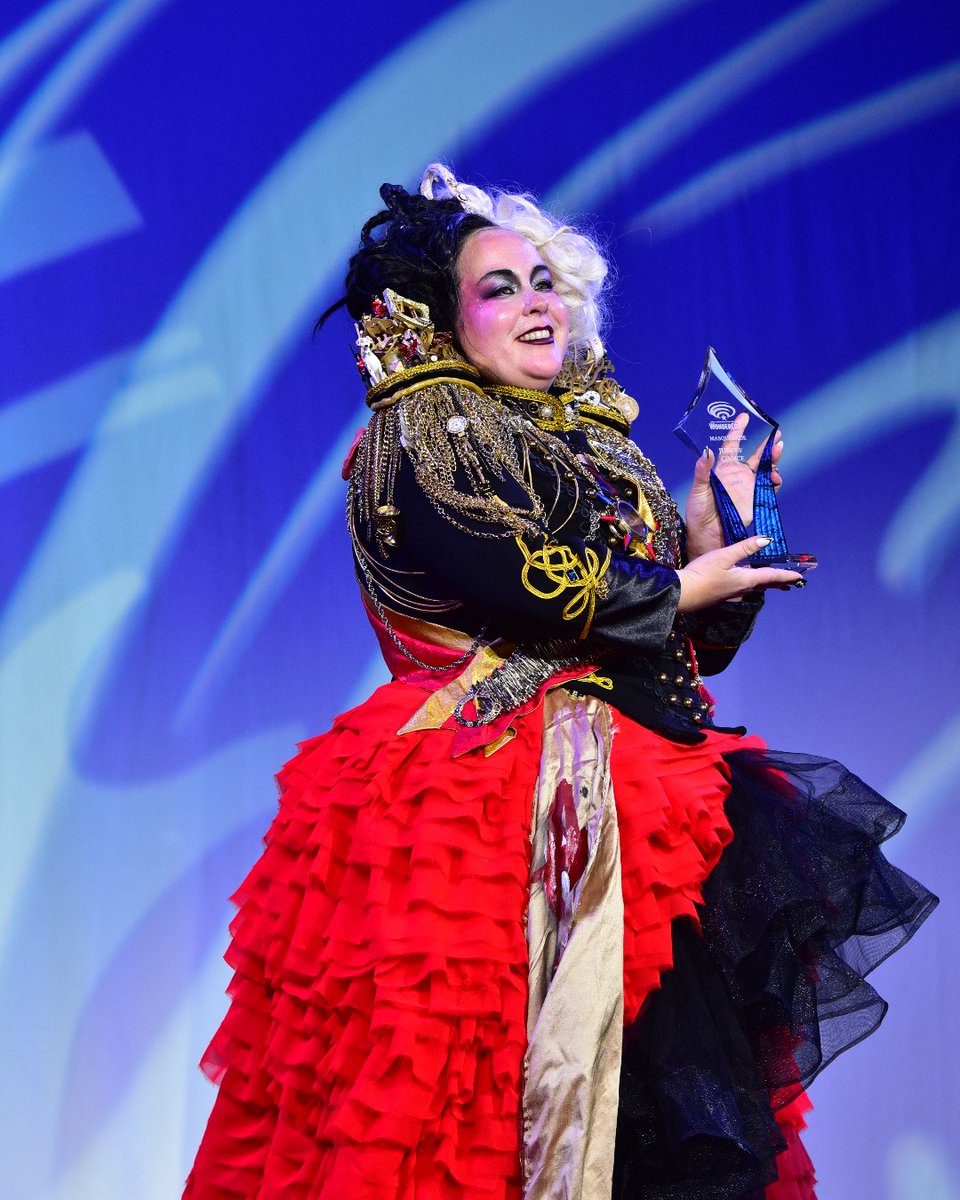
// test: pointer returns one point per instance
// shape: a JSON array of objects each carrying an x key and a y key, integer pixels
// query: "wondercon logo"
[{"x": 721, "y": 410}]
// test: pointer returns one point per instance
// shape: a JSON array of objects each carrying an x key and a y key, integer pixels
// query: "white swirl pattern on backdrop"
[{"x": 179, "y": 189}]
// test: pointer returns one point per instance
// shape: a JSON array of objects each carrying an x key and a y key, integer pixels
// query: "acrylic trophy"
[{"x": 707, "y": 423}]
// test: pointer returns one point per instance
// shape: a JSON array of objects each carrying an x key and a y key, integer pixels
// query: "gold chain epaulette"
[
  {"x": 428, "y": 400},
  {"x": 464, "y": 450},
  {"x": 586, "y": 396}
]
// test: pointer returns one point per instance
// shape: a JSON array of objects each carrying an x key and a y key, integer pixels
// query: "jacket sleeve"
[{"x": 718, "y": 632}]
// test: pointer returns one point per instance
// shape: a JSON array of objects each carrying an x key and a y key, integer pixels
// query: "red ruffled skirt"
[{"x": 374, "y": 1044}]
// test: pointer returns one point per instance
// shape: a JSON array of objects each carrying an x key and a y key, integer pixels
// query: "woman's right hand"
[{"x": 717, "y": 576}]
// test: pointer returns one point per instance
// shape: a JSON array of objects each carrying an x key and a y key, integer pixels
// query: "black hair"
[{"x": 414, "y": 252}]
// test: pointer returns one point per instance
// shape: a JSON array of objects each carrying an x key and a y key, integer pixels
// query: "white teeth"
[{"x": 536, "y": 335}]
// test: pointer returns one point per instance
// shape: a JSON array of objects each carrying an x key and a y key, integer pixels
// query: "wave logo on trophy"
[{"x": 710, "y": 417}]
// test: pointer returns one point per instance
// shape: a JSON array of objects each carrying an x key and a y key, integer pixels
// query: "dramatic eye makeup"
[{"x": 495, "y": 281}]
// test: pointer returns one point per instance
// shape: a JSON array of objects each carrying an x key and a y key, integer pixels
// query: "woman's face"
[{"x": 512, "y": 324}]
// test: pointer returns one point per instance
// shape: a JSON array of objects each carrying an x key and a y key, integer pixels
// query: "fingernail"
[
  {"x": 763, "y": 541},
  {"x": 706, "y": 453},
  {"x": 799, "y": 583}
]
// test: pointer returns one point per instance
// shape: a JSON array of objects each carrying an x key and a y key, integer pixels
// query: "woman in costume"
[{"x": 528, "y": 923}]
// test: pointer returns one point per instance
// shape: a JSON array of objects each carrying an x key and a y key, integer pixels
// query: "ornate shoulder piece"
[
  {"x": 646, "y": 511},
  {"x": 398, "y": 350},
  {"x": 599, "y": 398}
]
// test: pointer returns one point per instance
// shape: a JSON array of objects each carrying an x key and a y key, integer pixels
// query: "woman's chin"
[
  {"x": 537, "y": 378},
  {"x": 527, "y": 382}
]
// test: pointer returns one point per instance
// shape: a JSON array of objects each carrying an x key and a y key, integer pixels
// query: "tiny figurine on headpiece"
[
  {"x": 396, "y": 334},
  {"x": 368, "y": 361}
]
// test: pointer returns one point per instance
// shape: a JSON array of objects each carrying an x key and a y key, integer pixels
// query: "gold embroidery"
[
  {"x": 553, "y": 413},
  {"x": 566, "y": 571}
]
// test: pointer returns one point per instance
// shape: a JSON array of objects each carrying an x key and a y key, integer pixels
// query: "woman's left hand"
[{"x": 704, "y": 531}]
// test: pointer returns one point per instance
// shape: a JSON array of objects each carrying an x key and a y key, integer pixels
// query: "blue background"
[{"x": 180, "y": 184}]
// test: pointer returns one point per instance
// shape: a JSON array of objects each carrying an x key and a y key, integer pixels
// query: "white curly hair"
[{"x": 576, "y": 264}]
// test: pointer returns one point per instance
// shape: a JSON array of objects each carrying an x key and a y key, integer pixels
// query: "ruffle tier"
[{"x": 374, "y": 1042}]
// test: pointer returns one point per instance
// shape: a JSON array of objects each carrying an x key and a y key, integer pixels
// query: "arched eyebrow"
[{"x": 510, "y": 276}]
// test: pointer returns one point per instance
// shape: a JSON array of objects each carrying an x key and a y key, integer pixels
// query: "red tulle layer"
[{"x": 374, "y": 1044}]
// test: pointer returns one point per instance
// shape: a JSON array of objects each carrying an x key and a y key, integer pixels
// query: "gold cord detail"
[
  {"x": 602, "y": 681},
  {"x": 565, "y": 571}
]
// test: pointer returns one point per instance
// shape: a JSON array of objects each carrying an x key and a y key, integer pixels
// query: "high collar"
[{"x": 559, "y": 410}]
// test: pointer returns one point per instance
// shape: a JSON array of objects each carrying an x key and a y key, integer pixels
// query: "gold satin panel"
[{"x": 575, "y": 1004}]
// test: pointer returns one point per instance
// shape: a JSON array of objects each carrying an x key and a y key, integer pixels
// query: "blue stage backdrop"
[{"x": 180, "y": 184}]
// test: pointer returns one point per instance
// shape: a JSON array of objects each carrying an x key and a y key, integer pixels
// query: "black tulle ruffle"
[{"x": 799, "y": 910}]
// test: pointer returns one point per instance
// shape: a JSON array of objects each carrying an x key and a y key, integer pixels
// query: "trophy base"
[{"x": 785, "y": 562}]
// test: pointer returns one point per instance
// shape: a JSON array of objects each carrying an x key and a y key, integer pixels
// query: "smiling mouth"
[{"x": 537, "y": 336}]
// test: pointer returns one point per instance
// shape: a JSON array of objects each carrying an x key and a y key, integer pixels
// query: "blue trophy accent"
[{"x": 710, "y": 416}]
